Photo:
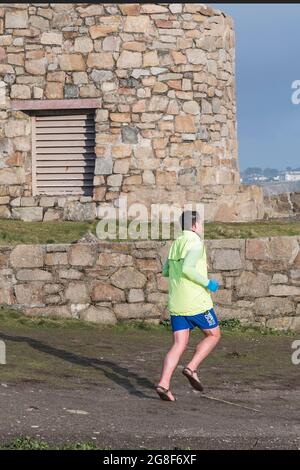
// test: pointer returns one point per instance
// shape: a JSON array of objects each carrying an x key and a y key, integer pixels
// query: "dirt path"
[{"x": 97, "y": 385}]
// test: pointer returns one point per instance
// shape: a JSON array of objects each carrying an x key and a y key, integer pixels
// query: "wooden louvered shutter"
[{"x": 63, "y": 152}]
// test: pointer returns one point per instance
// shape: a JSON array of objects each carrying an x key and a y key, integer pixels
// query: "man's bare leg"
[
  {"x": 204, "y": 347},
  {"x": 181, "y": 338}
]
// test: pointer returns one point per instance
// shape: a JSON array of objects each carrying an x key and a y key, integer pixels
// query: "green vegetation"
[
  {"x": 234, "y": 325},
  {"x": 15, "y": 231},
  {"x": 30, "y": 443},
  {"x": 10, "y": 318},
  {"x": 270, "y": 228}
]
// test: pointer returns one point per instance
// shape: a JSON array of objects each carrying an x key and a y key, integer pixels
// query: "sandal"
[
  {"x": 163, "y": 393},
  {"x": 196, "y": 384}
]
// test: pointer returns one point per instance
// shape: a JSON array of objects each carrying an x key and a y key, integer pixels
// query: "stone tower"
[{"x": 151, "y": 89}]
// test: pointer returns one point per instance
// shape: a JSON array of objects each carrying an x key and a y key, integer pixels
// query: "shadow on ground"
[{"x": 96, "y": 384}]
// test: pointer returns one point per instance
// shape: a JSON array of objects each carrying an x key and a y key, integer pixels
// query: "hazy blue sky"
[{"x": 267, "y": 62}]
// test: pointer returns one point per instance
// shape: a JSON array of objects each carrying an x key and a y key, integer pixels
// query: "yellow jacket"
[{"x": 186, "y": 268}]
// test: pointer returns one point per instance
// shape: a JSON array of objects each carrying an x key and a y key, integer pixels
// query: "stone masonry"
[
  {"x": 163, "y": 80},
  {"x": 110, "y": 281},
  {"x": 282, "y": 205}
]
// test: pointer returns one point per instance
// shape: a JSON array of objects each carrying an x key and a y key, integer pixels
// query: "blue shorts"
[{"x": 204, "y": 321}]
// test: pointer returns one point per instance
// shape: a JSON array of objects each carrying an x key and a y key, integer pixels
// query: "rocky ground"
[{"x": 90, "y": 383}]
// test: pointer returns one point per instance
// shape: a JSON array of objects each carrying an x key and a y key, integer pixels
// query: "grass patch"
[
  {"x": 14, "y": 319},
  {"x": 234, "y": 325},
  {"x": 270, "y": 228},
  {"x": 30, "y": 443},
  {"x": 11, "y": 318},
  {"x": 15, "y": 231}
]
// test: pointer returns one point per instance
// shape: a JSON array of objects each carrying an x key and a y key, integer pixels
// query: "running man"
[{"x": 190, "y": 304}]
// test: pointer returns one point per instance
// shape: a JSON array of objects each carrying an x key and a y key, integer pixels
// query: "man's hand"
[{"x": 213, "y": 285}]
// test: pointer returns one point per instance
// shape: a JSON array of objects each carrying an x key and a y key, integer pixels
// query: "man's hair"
[{"x": 188, "y": 219}]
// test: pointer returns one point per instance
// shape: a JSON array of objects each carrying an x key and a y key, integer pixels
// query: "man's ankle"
[
  {"x": 164, "y": 385},
  {"x": 192, "y": 368}
]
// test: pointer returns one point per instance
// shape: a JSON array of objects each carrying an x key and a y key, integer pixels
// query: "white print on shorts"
[{"x": 210, "y": 319}]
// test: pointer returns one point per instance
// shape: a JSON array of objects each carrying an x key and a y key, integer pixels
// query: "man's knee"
[
  {"x": 214, "y": 333},
  {"x": 217, "y": 334}
]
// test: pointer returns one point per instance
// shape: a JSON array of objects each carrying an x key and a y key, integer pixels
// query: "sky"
[{"x": 267, "y": 63}]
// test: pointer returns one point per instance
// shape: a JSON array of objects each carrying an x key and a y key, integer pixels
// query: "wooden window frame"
[
  {"x": 46, "y": 112},
  {"x": 33, "y": 156},
  {"x": 30, "y": 106}
]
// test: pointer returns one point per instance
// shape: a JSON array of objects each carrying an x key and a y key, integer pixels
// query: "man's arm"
[
  {"x": 165, "y": 271},
  {"x": 189, "y": 266}
]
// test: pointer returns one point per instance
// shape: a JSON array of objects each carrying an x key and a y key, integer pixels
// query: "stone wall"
[
  {"x": 110, "y": 281},
  {"x": 282, "y": 205},
  {"x": 163, "y": 76}
]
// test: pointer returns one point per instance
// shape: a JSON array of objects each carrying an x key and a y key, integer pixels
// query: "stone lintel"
[{"x": 24, "y": 105}]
